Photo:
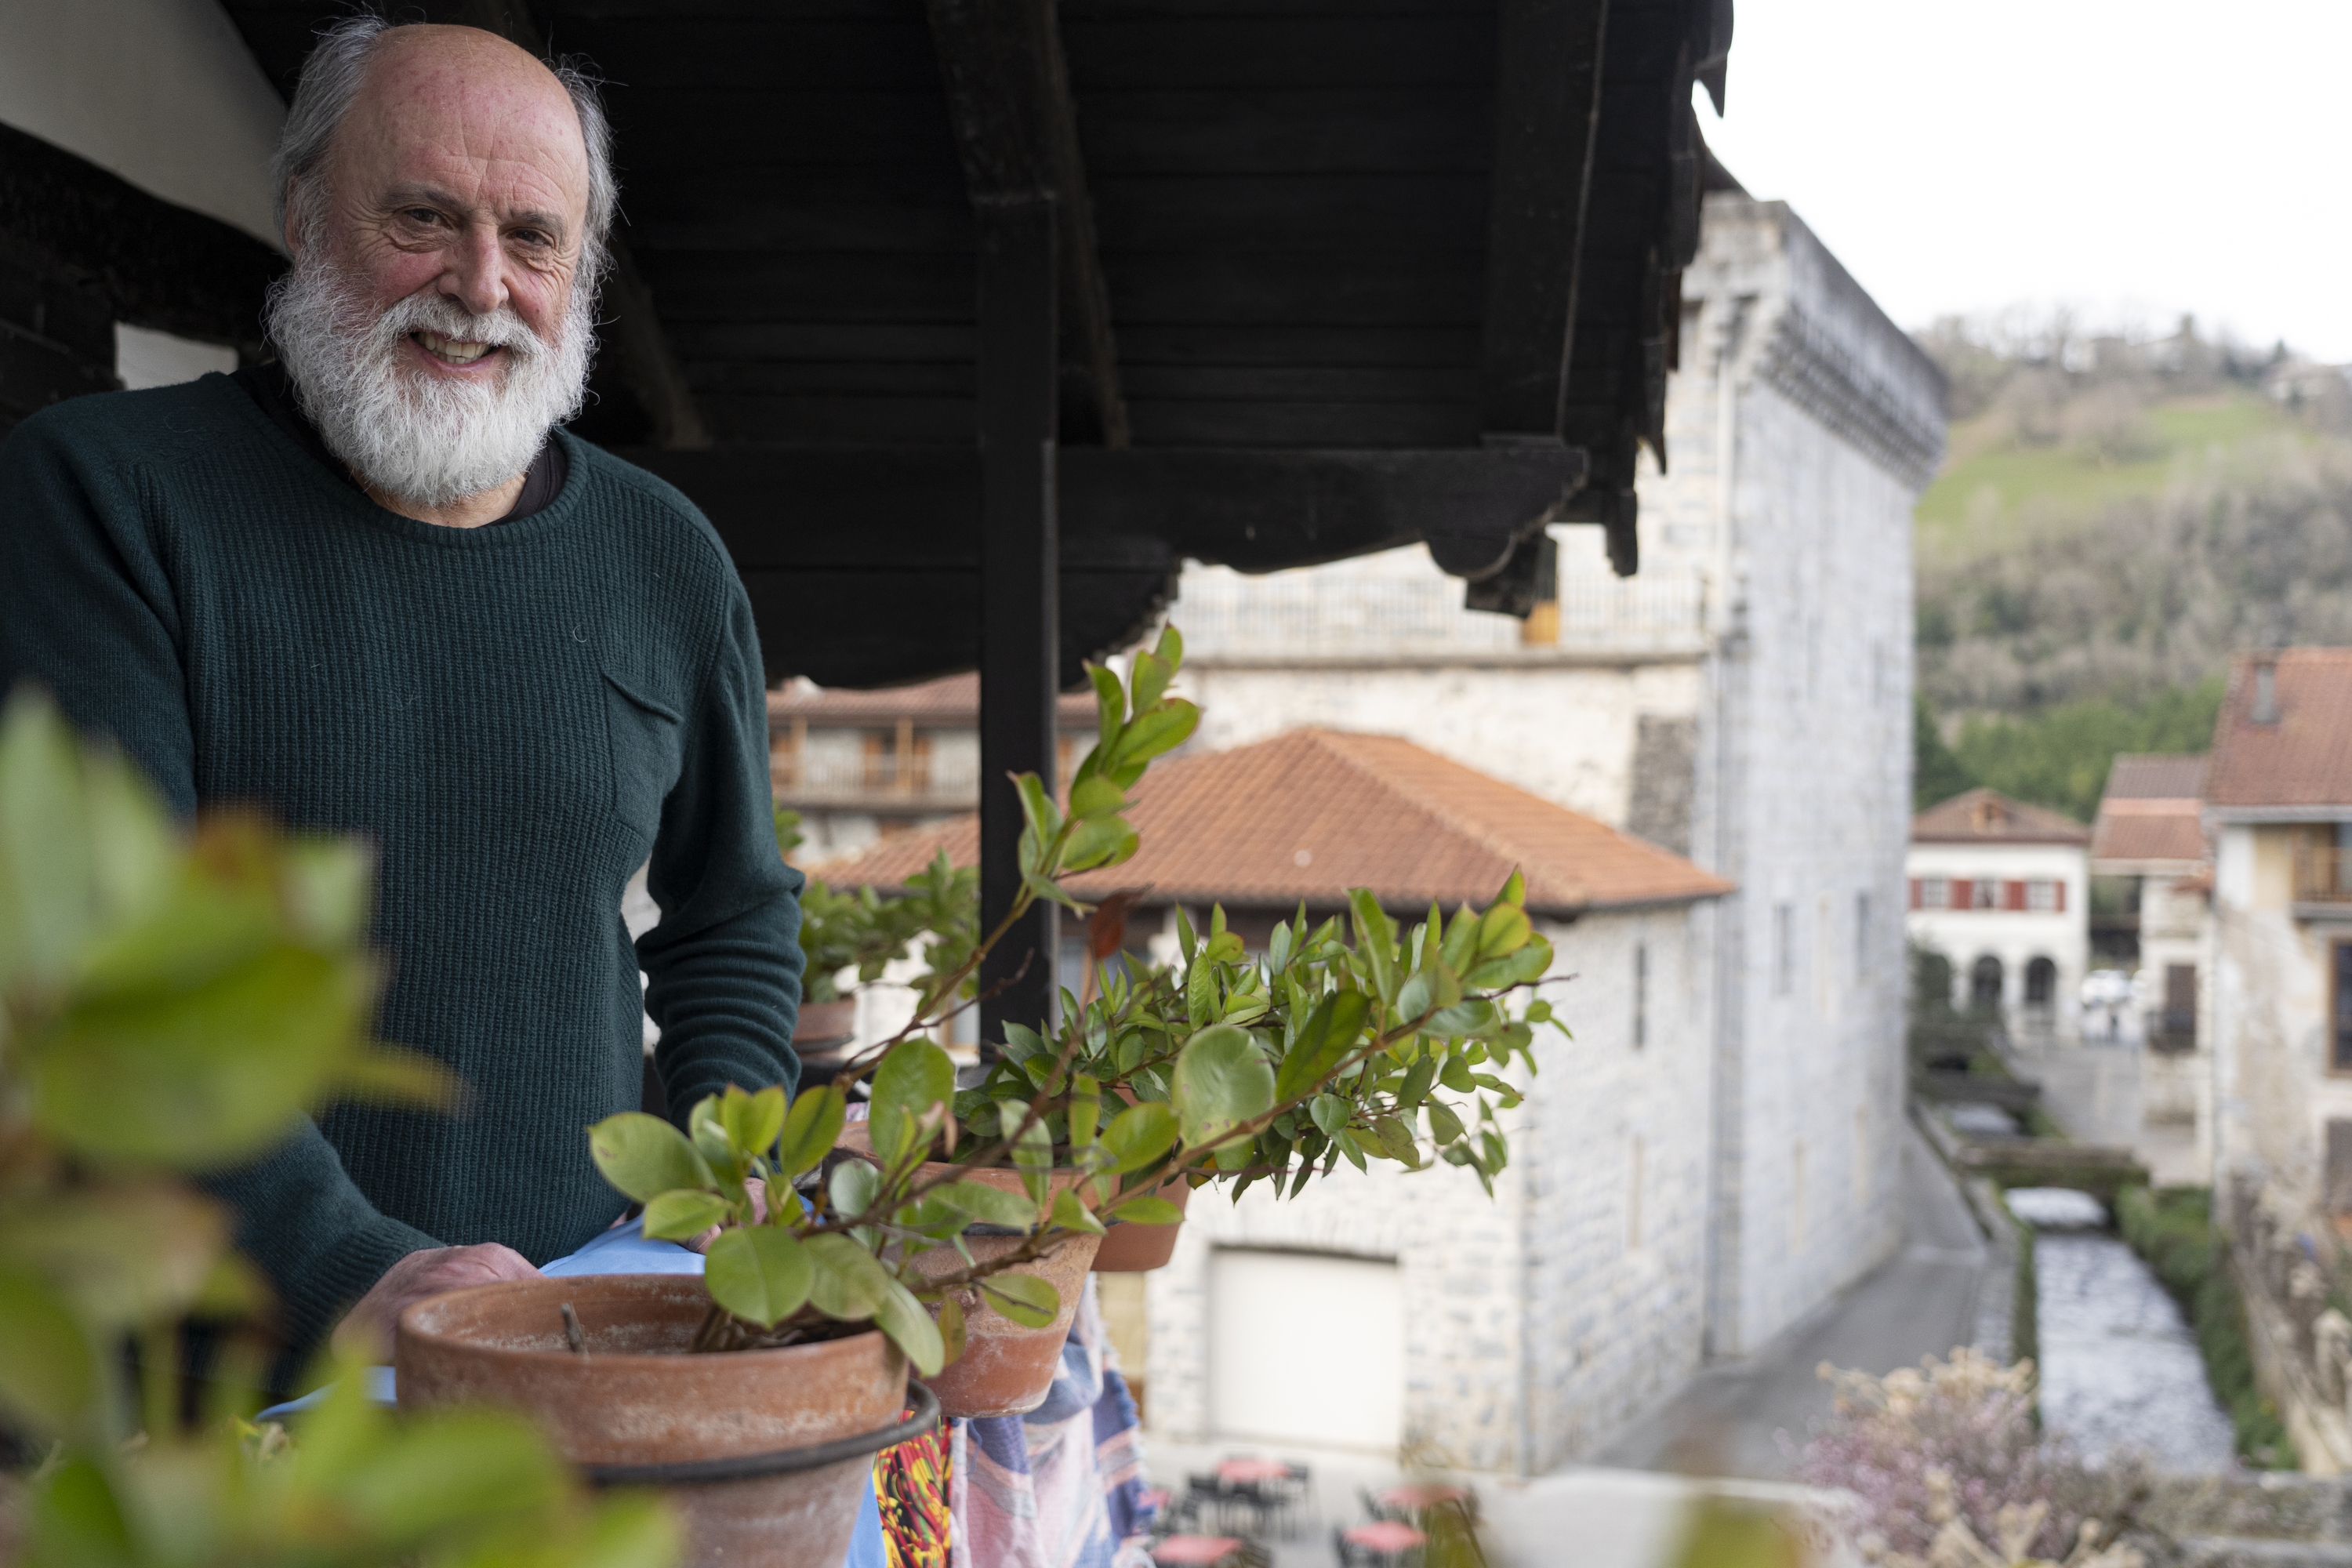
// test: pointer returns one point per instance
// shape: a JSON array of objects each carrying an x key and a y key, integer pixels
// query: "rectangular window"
[
  {"x": 2338, "y": 1178},
  {"x": 1640, "y": 995},
  {"x": 2042, "y": 896},
  {"x": 2339, "y": 1009},
  {"x": 1860, "y": 939},
  {"x": 1784, "y": 949},
  {"x": 1985, "y": 894},
  {"x": 1934, "y": 893}
]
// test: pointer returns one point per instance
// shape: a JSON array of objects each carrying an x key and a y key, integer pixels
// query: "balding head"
[{"x": 394, "y": 74}]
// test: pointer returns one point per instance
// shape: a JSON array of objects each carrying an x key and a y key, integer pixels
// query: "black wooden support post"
[{"x": 1020, "y": 616}]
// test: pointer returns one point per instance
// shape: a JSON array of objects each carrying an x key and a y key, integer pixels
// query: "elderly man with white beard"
[{"x": 376, "y": 588}]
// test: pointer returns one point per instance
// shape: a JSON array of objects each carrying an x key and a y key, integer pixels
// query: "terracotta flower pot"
[
  {"x": 1006, "y": 1369},
  {"x": 1132, "y": 1248},
  {"x": 826, "y": 1023},
  {"x": 763, "y": 1453}
]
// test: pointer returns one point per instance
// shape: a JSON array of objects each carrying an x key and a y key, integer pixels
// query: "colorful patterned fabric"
[
  {"x": 911, "y": 1482},
  {"x": 1061, "y": 1487}
]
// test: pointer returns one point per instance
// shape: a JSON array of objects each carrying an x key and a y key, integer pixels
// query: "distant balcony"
[
  {"x": 2323, "y": 880},
  {"x": 881, "y": 783}
]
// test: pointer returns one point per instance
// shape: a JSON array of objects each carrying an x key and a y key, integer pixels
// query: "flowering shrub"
[{"x": 1947, "y": 1457}]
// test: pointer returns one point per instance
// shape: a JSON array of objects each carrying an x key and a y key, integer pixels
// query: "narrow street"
[{"x": 1922, "y": 1301}]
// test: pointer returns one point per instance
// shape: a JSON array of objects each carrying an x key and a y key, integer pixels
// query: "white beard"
[{"x": 427, "y": 440}]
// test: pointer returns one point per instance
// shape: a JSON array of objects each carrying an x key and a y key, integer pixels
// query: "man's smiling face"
[{"x": 459, "y": 171}]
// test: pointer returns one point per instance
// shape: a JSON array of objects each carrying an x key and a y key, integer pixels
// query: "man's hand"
[{"x": 366, "y": 1329}]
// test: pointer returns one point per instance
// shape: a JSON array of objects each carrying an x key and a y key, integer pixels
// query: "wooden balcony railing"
[
  {"x": 880, "y": 781},
  {"x": 2323, "y": 875}
]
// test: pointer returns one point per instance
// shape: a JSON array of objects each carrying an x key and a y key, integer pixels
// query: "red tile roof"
[
  {"x": 951, "y": 700},
  {"x": 2301, "y": 758},
  {"x": 1987, "y": 817},
  {"x": 2151, "y": 810},
  {"x": 1309, "y": 815}
]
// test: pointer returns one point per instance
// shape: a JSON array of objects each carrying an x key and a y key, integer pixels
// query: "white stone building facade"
[{"x": 1744, "y": 700}]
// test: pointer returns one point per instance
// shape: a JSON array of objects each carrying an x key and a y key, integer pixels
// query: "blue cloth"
[{"x": 624, "y": 1249}]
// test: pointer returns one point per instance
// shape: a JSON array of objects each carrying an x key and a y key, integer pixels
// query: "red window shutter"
[
  {"x": 2012, "y": 895},
  {"x": 1963, "y": 892},
  {"x": 1915, "y": 893},
  {"x": 2058, "y": 892}
]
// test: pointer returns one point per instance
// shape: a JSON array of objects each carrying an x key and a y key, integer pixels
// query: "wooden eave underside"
[{"x": 1336, "y": 275}]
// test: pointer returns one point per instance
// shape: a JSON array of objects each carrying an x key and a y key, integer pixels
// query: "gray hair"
[{"x": 332, "y": 79}]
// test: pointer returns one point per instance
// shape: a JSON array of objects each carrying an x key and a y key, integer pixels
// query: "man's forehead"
[{"x": 469, "y": 114}]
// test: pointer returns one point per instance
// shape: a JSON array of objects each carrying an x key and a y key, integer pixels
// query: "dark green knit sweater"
[{"x": 516, "y": 716}]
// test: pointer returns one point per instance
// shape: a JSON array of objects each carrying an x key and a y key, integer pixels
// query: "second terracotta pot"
[
  {"x": 1131, "y": 1249},
  {"x": 764, "y": 1454},
  {"x": 1006, "y": 1369}
]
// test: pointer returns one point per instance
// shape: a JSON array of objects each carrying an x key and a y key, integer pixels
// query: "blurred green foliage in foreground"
[{"x": 172, "y": 1003}]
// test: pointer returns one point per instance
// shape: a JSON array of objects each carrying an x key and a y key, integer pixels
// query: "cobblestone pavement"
[{"x": 1920, "y": 1302}]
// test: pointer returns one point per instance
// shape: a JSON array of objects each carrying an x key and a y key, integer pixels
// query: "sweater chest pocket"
[{"x": 645, "y": 736}]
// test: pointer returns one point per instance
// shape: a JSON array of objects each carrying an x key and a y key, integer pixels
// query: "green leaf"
[
  {"x": 1070, "y": 1214},
  {"x": 752, "y": 1122},
  {"x": 849, "y": 1284},
  {"x": 853, "y": 1187},
  {"x": 1032, "y": 1156},
  {"x": 763, "y": 1274},
  {"x": 1455, "y": 1074},
  {"x": 49, "y": 872},
  {"x": 1515, "y": 888},
  {"x": 915, "y": 1080},
  {"x": 1502, "y": 930},
  {"x": 203, "y": 1074},
  {"x": 682, "y": 1215},
  {"x": 1417, "y": 1079},
  {"x": 990, "y": 1204},
  {"x": 1185, "y": 940},
  {"x": 1138, "y": 1135},
  {"x": 902, "y": 1317},
  {"x": 1375, "y": 941},
  {"x": 1330, "y": 1113},
  {"x": 1415, "y": 997},
  {"x": 1095, "y": 797},
  {"x": 1444, "y": 1125},
  {"x": 1110, "y": 702},
  {"x": 1086, "y": 1109},
  {"x": 1222, "y": 1081},
  {"x": 1027, "y": 1299},
  {"x": 811, "y": 1128},
  {"x": 1159, "y": 728},
  {"x": 645, "y": 1156},
  {"x": 1528, "y": 963},
  {"x": 1331, "y": 1031},
  {"x": 48, "y": 1375},
  {"x": 1170, "y": 648},
  {"x": 950, "y": 1322},
  {"x": 76, "y": 1519},
  {"x": 1037, "y": 807},
  {"x": 1150, "y": 676},
  {"x": 1147, "y": 1208},
  {"x": 1100, "y": 842},
  {"x": 1476, "y": 1017},
  {"x": 1022, "y": 1042},
  {"x": 1395, "y": 1139},
  {"x": 1346, "y": 1140}
]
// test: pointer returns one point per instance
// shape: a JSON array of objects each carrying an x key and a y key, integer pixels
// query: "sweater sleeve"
[
  {"x": 723, "y": 967},
  {"x": 88, "y": 609}
]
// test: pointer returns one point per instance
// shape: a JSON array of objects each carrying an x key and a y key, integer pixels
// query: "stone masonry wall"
[{"x": 1539, "y": 1322}]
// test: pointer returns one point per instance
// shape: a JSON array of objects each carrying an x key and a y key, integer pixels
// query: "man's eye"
[{"x": 422, "y": 215}]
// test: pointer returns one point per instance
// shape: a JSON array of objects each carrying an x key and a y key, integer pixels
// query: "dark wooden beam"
[
  {"x": 1009, "y": 101},
  {"x": 853, "y": 507},
  {"x": 1020, "y": 605},
  {"x": 1549, "y": 71},
  {"x": 651, "y": 368}
]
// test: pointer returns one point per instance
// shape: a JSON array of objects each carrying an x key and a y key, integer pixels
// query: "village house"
[
  {"x": 2149, "y": 879},
  {"x": 2278, "y": 1008},
  {"x": 1507, "y": 1335},
  {"x": 2002, "y": 889}
]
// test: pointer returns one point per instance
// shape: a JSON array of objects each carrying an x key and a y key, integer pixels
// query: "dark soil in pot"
[{"x": 635, "y": 1398}]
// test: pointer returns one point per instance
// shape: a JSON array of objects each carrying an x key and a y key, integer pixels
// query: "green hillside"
[{"x": 1992, "y": 485}]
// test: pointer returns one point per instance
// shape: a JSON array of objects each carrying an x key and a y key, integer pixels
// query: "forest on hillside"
[{"x": 2115, "y": 517}]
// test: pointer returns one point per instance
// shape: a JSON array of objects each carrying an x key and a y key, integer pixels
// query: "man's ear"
[{"x": 289, "y": 234}]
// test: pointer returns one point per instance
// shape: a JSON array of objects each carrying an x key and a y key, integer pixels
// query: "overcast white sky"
[{"x": 2131, "y": 158}]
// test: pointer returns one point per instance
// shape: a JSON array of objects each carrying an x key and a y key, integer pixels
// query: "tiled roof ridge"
[
  {"x": 1948, "y": 817},
  {"x": 1576, "y": 892}
]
